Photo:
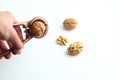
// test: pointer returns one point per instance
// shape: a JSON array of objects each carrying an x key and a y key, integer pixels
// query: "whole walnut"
[
  {"x": 70, "y": 23},
  {"x": 37, "y": 28}
]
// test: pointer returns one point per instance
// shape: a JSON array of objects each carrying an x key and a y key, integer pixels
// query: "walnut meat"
[
  {"x": 75, "y": 48},
  {"x": 61, "y": 40},
  {"x": 70, "y": 23}
]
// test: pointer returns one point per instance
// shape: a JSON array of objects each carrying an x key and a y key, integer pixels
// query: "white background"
[{"x": 42, "y": 59}]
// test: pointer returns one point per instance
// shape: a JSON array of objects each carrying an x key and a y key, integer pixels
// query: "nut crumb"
[
  {"x": 61, "y": 40},
  {"x": 75, "y": 48}
]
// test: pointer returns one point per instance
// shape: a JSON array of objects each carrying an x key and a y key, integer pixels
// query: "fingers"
[
  {"x": 15, "y": 40},
  {"x": 19, "y": 32},
  {"x": 7, "y": 56},
  {"x": 12, "y": 35},
  {"x": 4, "y": 48},
  {"x": 11, "y": 46}
]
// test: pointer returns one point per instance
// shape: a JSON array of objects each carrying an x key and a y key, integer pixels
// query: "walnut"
[
  {"x": 75, "y": 48},
  {"x": 70, "y": 23},
  {"x": 61, "y": 40},
  {"x": 37, "y": 28}
]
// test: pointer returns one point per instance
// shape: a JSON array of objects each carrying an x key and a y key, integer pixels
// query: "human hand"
[{"x": 12, "y": 35}]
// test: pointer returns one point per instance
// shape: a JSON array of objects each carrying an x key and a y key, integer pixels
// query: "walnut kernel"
[
  {"x": 61, "y": 40},
  {"x": 75, "y": 48}
]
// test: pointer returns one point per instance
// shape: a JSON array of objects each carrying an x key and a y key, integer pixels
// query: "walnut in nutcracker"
[{"x": 37, "y": 28}]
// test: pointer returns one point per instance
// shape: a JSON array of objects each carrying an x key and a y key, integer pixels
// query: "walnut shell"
[
  {"x": 37, "y": 28},
  {"x": 70, "y": 23}
]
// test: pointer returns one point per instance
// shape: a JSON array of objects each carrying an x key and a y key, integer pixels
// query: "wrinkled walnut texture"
[
  {"x": 61, "y": 40},
  {"x": 70, "y": 23},
  {"x": 37, "y": 28},
  {"x": 75, "y": 48}
]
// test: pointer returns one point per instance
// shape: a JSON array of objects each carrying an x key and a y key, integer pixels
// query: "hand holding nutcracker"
[{"x": 37, "y": 28}]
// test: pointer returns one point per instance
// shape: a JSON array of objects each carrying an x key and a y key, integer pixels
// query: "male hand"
[{"x": 9, "y": 33}]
